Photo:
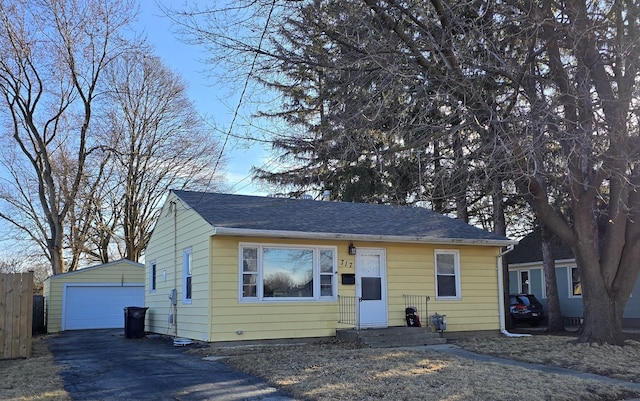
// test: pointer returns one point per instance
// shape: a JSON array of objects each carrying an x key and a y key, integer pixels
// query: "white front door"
[{"x": 371, "y": 287}]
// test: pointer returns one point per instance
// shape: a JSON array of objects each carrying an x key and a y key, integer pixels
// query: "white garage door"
[{"x": 98, "y": 306}]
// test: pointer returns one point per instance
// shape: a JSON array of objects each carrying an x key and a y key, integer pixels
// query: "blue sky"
[{"x": 212, "y": 101}]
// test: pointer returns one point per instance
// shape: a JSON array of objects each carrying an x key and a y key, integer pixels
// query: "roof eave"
[
  {"x": 94, "y": 267},
  {"x": 248, "y": 232},
  {"x": 558, "y": 263}
]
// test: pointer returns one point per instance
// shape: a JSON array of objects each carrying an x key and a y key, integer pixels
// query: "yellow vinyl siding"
[
  {"x": 410, "y": 270},
  {"x": 124, "y": 272},
  {"x": 266, "y": 320},
  {"x": 166, "y": 250}
]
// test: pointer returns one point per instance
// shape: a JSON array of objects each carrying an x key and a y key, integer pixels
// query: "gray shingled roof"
[
  {"x": 529, "y": 249},
  {"x": 323, "y": 217}
]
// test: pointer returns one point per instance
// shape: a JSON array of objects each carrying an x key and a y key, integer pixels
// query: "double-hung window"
[
  {"x": 447, "y": 266},
  {"x": 153, "y": 277},
  {"x": 287, "y": 273},
  {"x": 576, "y": 284},
  {"x": 524, "y": 281},
  {"x": 187, "y": 276}
]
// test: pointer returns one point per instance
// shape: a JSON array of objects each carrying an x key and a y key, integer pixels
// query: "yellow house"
[
  {"x": 231, "y": 267},
  {"x": 93, "y": 297}
]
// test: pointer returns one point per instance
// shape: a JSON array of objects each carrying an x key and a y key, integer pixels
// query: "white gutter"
[
  {"x": 503, "y": 329},
  {"x": 249, "y": 232}
]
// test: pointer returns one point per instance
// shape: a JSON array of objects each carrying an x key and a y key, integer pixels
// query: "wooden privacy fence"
[{"x": 16, "y": 315}]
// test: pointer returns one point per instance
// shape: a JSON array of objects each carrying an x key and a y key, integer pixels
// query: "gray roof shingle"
[
  {"x": 529, "y": 249},
  {"x": 323, "y": 217}
]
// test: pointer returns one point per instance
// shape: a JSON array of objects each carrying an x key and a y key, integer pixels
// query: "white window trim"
[
  {"x": 153, "y": 268},
  {"x": 316, "y": 274},
  {"x": 520, "y": 280},
  {"x": 456, "y": 262},
  {"x": 570, "y": 282},
  {"x": 187, "y": 264},
  {"x": 543, "y": 278}
]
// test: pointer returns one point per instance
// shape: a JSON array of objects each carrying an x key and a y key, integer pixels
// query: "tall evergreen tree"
[{"x": 365, "y": 121}]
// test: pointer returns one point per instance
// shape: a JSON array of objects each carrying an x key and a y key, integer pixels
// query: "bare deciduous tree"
[
  {"x": 54, "y": 53},
  {"x": 155, "y": 140},
  {"x": 15, "y": 262}
]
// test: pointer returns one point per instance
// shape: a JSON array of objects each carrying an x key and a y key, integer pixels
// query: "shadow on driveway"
[{"x": 104, "y": 365}]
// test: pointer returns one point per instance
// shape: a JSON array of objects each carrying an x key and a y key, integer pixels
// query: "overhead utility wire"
[{"x": 245, "y": 86}]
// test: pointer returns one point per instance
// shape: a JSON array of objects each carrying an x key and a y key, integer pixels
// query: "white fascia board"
[
  {"x": 520, "y": 266},
  {"x": 539, "y": 264},
  {"x": 245, "y": 232}
]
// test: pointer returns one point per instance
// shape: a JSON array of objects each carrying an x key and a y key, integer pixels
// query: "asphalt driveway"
[{"x": 104, "y": 365}]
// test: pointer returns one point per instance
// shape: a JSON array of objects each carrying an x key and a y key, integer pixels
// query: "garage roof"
[{"x": 86, "y": 269}]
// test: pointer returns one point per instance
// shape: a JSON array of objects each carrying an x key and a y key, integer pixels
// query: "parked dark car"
[{"x": 525, "y": 308}]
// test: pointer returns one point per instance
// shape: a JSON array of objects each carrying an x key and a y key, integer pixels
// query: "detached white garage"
[{"x": 94, "y": 297}]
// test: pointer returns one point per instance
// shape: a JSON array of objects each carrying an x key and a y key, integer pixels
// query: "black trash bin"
[{"x": 134, "y": 321}]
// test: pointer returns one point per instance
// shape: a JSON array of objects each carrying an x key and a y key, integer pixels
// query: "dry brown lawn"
[
  {"x": 335, "y": 371},
  {"x": 33, "y": 379},
  {"x": 562, "y": 351}
]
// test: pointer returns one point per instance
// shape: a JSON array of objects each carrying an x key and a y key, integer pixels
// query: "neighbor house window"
[
  {"x": 291, "y": 273},
  {"x": 447, "y": 274},
  {"x": 187, "y": 272},
  {"x": 576, "y": 285},
  {"x": 152, "y": 277},
  {"x": 524, "y": 281}
]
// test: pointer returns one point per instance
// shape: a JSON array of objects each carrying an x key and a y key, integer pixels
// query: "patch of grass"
[
  {"x": 608, "y": 360},
  {"x": 335, "y": 372},
  {"x": 33, "y": 379}
]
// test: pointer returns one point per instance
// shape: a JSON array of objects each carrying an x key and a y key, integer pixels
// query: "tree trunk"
[
  {"x": 602, "y": 312},
  {"x": 602, "y": 308},
  {"x": 554, "y": 313},
  {"x": 437, "y": 197},
  {"x": 55, "y": 252},
  {"x": 500, "y": 227},
  {"x": 460, "y": 185}
]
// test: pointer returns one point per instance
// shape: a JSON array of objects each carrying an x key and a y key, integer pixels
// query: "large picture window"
[
  {"x": 276, "y": 272},
  {"x": 447, "y": 274}
]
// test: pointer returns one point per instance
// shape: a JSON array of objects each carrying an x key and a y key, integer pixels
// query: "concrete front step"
[{"x": 391, "y": 337}]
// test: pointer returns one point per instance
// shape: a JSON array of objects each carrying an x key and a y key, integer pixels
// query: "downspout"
[
  {"x": 175, "y": 268},
  {"x": 503, "y": 329}
]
